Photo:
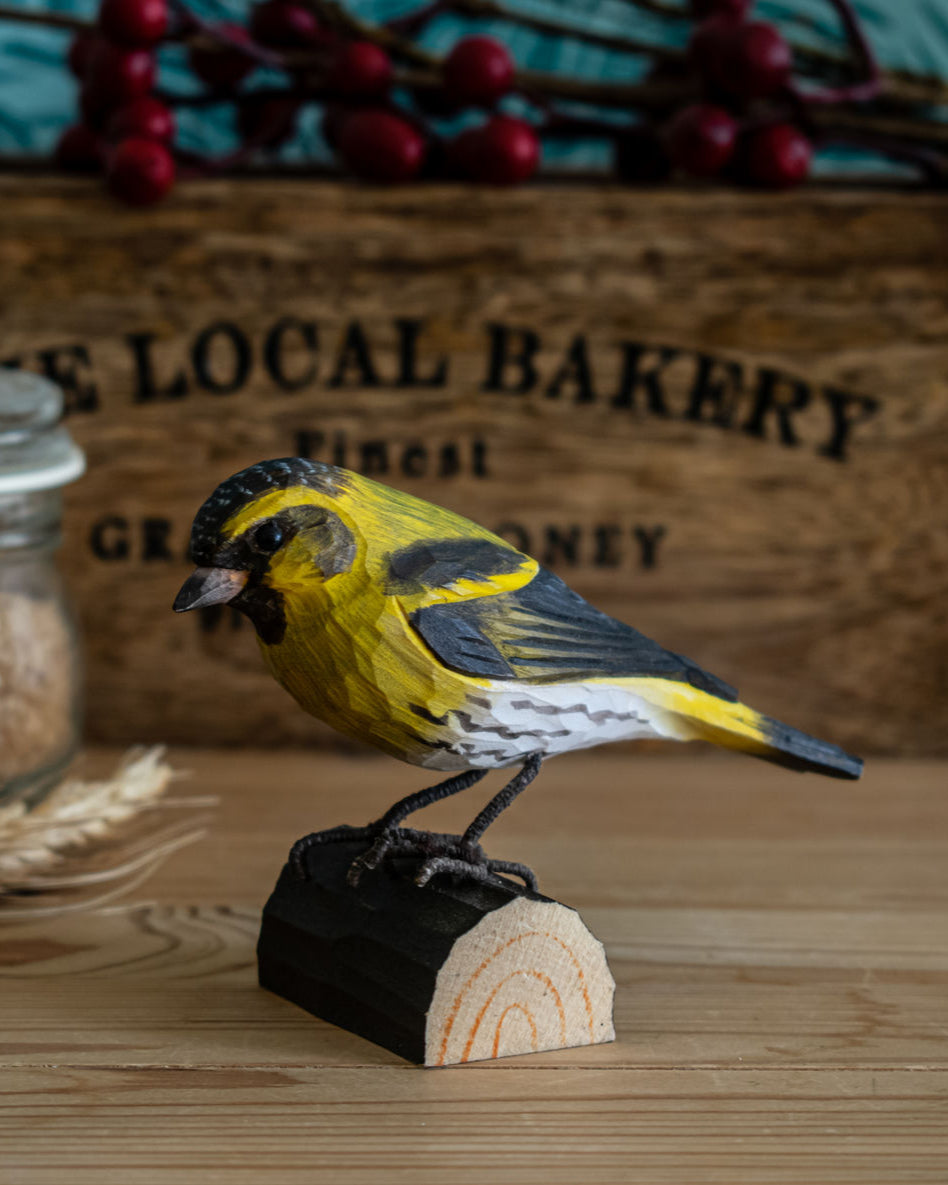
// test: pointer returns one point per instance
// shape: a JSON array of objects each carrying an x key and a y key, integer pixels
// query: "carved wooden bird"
[{"x": 414, "y": 629}]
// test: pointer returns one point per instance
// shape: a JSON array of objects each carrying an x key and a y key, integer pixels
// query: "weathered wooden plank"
[
  {"x": 695, "y": 358},
  {"x": 620, "y": 831},
  {"x": 292, "y": 1125},
  {"x": 217, "y": 942},
  {"x": 667, "y": 1014}
]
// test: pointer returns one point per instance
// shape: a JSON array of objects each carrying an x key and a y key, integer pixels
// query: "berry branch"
[
  {"x": 860, "y": 92},
  {"x": 658, "y": 8},
  {"x": 492, "y": 10},
  {"x": 347, "y": 24},
  {"x": 730, "y": 107},
  {"x": 52, "y": 20}
]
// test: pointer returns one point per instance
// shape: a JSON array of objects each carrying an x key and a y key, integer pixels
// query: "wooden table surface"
[{"x": 780, "y": 944}]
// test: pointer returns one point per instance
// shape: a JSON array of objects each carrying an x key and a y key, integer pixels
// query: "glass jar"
[{"x": 40, "y": 671}]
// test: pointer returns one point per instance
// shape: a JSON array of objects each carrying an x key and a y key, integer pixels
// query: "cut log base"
[{"x": 458, "y": 970}]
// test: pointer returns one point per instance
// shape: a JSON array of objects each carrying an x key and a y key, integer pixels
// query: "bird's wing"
[
  {"x": 439, "y": 571},
  {"x": 543, "y": 632}
]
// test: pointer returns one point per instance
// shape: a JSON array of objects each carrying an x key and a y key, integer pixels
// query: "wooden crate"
[{"x": 722, "y": 417}]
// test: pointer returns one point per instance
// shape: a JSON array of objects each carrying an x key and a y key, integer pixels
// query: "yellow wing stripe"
[{"x": 697, "y": 715}]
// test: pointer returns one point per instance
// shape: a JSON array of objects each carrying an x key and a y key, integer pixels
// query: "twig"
[
  {"x": 412, "y": 23},
  {"x": 642, "y": 96},
  {"x": 844, "y": 121},
  {"x": 932, "y": 163},
  {"x": 218, "y": 33},
  {"x": 493, "y": 9},
  {"x": 54, "y": 20},
  {"x": 558, "y": 124},
  {"x": 857, "y": 92},
  {"x": 657, "y": 8},
  {"x": 295, "y": 94},
  {"x": 915, "y": 88},
  {"x": 339, "y": 18}
]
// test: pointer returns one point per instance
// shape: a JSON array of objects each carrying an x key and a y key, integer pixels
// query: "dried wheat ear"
[{"x": 90, "y": 842}]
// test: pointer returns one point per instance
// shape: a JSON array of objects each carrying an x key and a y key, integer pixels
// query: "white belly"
[{"x": 503, "y": 725}]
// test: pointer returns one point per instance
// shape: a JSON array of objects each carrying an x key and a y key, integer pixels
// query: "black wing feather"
[{"x": 545, "y": 632}]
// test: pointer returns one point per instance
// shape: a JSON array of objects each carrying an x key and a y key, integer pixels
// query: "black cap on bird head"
[
  {"x": 236, "y": 491},
  {"x": 218, "y": 578}
]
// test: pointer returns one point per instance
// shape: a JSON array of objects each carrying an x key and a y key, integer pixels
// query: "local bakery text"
[{"x": 641, "y": 380}]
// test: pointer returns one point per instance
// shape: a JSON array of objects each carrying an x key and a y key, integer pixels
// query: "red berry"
[
  {"x": 360, "y": 70},
  {"x": 777, "y": 156},
  {"x": 701, "y": 139},
  {"x": 750, "y": 61},
  {"x": 115, "y": 76},
  {"x": 223, "y": 66},
  {"x": 505, "y": 151},
  {"x": 641, "y": 157},
  {"x": 282, "y": 24},
  {"x": 145, "y": 118},
  {"x": 268, "y": 121},
  {"x": 79, "y": 149},
  {"x": 134, "y": 22},
  {"x": 141, "y": 172},
  {"x": 379, "y": 146},
  {"x": 80, "y": 53},
  {"x": 478, "y": 71},
  {"x": 736, "y": 9}
]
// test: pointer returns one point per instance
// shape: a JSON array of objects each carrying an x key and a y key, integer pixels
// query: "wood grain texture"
[
  {"x": 815, "y": 584},
  {"x": 778, "y": 942}
]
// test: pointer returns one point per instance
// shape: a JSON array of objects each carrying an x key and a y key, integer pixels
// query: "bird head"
[{"x": 265, "y": 532}]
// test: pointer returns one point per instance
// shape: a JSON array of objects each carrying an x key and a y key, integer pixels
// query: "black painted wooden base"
[{"x": 454, "y": 971}]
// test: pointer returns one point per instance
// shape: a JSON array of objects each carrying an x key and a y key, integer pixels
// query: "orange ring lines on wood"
[
  {"x": 500, "y": 1024},
  {"x": 459, "y": 999},
  {"x": 490, "y": 999}
]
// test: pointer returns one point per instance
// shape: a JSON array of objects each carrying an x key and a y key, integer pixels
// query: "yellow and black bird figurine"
[{"x": 414, "y": 629}]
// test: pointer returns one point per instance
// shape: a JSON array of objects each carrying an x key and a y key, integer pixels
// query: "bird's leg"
[
  {"x": 422, "y": 798},
  {"x": 469, "y": 854},
  {"x": 461, "y": 855},
  {"x": 503, "y": 799},
  {"x": 383, "y": 831}
]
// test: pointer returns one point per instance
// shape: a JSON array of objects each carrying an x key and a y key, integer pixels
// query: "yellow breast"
[{"x": 350, "y": 658}]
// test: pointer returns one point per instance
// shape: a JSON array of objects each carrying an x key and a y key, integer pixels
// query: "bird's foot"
[
  {"x": 473, "y": 864},
  {"x": 343, "y": 834},
  {"x": 452, "y": 855},
  {"x": 439, "y": 853}
]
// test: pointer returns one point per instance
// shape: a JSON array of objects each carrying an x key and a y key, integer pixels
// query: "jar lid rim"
[
  {"x": 66, "y": 468},
  {"x": 36, "y": 451}
]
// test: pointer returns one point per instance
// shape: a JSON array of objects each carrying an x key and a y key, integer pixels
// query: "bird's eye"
[{"x": 268, "y": 537}]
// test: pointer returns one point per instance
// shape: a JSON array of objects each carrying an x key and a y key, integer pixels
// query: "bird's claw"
[
  {"x": 384, "y": 842},
  {"x": 480, "y": 869},
  {"x": 342, "y": 834}
]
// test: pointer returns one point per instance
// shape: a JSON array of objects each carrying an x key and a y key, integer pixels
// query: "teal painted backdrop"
[{"x": 38, "y": 96}]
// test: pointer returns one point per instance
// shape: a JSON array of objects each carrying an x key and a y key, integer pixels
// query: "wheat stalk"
[{"x": 92, "y": 839}]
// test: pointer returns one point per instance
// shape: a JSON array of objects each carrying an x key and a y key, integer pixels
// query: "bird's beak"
[{"x": 209, "y": 586}]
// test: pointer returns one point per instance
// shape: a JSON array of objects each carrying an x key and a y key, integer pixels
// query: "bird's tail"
[
  {"x": 692, "y": 714},
  {"x": 752, "y": 732}
]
